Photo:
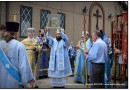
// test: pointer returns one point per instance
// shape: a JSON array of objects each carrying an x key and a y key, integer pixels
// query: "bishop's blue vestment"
[{"x": 59, "y": 64}]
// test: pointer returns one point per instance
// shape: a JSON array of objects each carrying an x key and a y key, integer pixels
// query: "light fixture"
[
  {"x": 84, "y": 10},
  {"x": 109, "y": 16}
]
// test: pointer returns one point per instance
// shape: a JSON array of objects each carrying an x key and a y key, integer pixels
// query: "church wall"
[
  {"x": 2, "y": 12},
  {"x": 73, "y": 11},
  {"x": 109, "y": 7},
  {"x": 69, "y": 29}
]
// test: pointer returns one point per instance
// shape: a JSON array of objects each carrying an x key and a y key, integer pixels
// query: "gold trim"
[{"x": 43, "y": 69}]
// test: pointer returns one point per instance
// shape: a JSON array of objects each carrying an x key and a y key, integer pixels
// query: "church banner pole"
[{"x": 84, "y": 21}]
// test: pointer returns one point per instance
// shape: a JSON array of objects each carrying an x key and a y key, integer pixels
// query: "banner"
[{"x": 125, "y": 38}]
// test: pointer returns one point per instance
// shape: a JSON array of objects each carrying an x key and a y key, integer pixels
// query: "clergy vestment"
[
  {"x": 32, "y": 54},
  {"x": 80, "y": 73},
  {"x": 16, "y": 53},
  {"x": 71, "y": 53},
  {"x": 59, "y": 64},
  {"x": 107, "y": 63},
  {"x": 44, "y": 58}
]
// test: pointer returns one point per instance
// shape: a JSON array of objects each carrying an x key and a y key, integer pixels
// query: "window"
[
  {"x": 62, "y": 20},
  {"x": 44, "y": 18},
  {"x": 25, "y": 20}
]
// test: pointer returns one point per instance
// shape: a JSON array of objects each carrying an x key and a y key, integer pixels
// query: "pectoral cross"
[{"x": 97, "y": 15}]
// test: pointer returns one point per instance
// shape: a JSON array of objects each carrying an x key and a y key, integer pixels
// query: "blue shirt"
[{"x": 98, "y": 52}]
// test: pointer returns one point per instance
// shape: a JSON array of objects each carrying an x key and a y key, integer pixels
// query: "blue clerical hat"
[{"x": 12, "y": 26}]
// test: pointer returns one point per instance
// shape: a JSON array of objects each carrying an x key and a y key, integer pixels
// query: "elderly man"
[
  {"x": 33, "y": 48},
  {"x": 97, "y": 56},
  {"x": 59, "y": 65},
  {"x": 15, "y": 71},
  {"x": 31, "y": 44}
]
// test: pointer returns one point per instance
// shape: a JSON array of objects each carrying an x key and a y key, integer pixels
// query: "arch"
[{"x": 90, "y": 11}]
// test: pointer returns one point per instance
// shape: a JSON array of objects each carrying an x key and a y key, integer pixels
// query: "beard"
[
  {"x": 30, "y": 39},
  {"x": 58, "y": 38},
  {"x": 42, "y": 35}
]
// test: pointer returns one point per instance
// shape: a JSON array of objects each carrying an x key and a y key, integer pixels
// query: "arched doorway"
[{"x": 99, "y": 10}]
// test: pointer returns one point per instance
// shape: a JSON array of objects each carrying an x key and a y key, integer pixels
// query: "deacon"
[{"x": 15, "y": 70}]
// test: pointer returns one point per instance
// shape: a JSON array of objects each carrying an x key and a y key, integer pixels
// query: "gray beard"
[{"x": 31, "y": 39}]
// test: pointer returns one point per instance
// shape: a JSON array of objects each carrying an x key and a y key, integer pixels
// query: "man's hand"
[
  {"x": 117, "y": 50},
  {"x": 44, "y": 41},
  {"x": 31, "y": 82},
  {"x": 85, "y": 54},
  {"x": 59, "y": 28},
  {"x": 46, "y": 28},
  {"x": 77, "y": 47},
  {"x": 36, "y": 48}
]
